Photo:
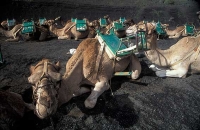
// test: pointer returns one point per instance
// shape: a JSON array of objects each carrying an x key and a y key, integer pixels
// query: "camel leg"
[
  {"x": 13, "y": 40},
  {"x": 81, "y": 91},
  {"x": 179, "y": 73},
  {"x": 177, "y": 35},
  {"x": 135, "y": 67},
  {"x": 64, "y": 37},
  {"x": 156, "y": 68},
  {"x": 99, "y": 88}
]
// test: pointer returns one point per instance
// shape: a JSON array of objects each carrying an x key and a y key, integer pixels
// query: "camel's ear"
[
  {"x": 58, "y": 66},
  {"x": 58, "y": 18},
  {"x": 31, "y": 69}
]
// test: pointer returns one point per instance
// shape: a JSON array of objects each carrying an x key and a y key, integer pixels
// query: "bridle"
[{"x": 50, "y": 83}]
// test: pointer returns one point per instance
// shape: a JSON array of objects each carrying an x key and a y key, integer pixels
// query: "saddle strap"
[{"x": 99, "y": 59}]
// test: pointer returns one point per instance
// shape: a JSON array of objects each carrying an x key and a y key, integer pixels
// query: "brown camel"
[
  {"x": 8, "y": 24},
  {"x": 89, "y": 66},
  {"x": 70, "y": 30},
  {"x": 14, "y": 35},
  {"x": 177, "y": 61}
]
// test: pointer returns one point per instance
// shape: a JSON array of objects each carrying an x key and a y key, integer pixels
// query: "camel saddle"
[
  {"x": 160, "y": 29},
  {"x": 42, "y": 20},
  {"x": 28, "y": 27},
  {"x": 189, "y": 29},
  {"x": 121, "y": 20},
  {"x": 103, "y": 22},
  {"x": 80, "y": 24},
  {"x": 115, "y": 47},
  {"x": 11, "y": 22}
]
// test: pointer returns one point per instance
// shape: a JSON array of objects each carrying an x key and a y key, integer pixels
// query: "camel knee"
[
  {"x": 135, "y": 74},
  {"x": 99, "y": 88},
  {"x": 90, "y": 103},
  {"x": 81, "y": 91}
]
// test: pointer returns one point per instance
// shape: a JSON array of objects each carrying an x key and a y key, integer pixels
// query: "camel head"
[
  {"x": 165, "y": 26},
  {"x": 129, "y": 22},
  {"x": 45, "y": 79},
  {"x": 95, "y": 24},
  {"x": 146, "y": 26},
  {"x": 131, "y": 30},
  {"x": 50, "y": 22}
]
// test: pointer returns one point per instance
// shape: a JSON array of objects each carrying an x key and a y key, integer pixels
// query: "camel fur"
[
  {"x": 180, "y": 59},
  {"x": 69, "y": 30},
  {"x": 83, "y": 63},
  {"x": 176, "y": 33},
  {"x": 84, "y": 73},
  {"x": 12, "y": 34}
]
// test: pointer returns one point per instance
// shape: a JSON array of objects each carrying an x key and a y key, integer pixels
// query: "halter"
[{"x": 50, "y": 83}]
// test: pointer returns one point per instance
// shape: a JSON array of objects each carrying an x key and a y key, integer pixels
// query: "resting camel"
[
  {"x": 176, "y": 33},
  {"x": 5, "y": 25},
  {"x": 14, "y": 35},
  {"x": 180, "y": 59},
  {"x": 88, "y": 70},
  {"x": 69, "y": 31}
]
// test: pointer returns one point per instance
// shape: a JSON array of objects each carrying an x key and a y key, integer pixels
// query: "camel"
[
  {"x": 14, "y": 35},
  {"x": 88, "y": 70},
  {"x": 177, "y": 61},
  {"x": 110, "y": 28},
  {"x": 131, "y": 27},
  {"x": 180, "y": 31},
  {"x": 8, "y": 26},
  {"x": 180, "y": 59},
  {"x": 12, "y": 106},
  {"x": 69, "y": 31}
]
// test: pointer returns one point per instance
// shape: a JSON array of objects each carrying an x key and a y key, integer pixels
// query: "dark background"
[{"x": 182, "y": 10}]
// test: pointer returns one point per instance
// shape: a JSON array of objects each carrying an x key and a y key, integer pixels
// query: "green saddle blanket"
[
  {"x": 114, "y": 46},
  {"x": 159, "y": 29},
  {"x": 122, "y": 20},
  {"x": 189, "y": 29},
  {"x": 28, "y": 27},
  {"x": 118, "y": 26},
  {"x": 11, "y": 22},
  {"x": 80, "y": 24},
  {"x": 42, "y": 20},
  {"x": 103, "y": 22}
]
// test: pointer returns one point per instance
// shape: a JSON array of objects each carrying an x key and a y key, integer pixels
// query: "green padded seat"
[
  {"x": 189, "y": 29},
  {"x": 122, "y": 20},
  {"x": 80, "y": 25},
  {"x": 114, "y": 44},
  {"x": 118, "y": 26},
  {"x": 159, "y": 29},
  {"x": 11, "y": 22},
  {"x": 42, "y": 20},
  {"x": 73, "y": 20},
  {"x": 103, "y": 22},
  {"x": 28, "y": 27}
]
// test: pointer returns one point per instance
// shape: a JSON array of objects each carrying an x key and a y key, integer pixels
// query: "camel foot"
[
  {"x": 135, "y": 75},
  {"x": 76, "y": 39},
  {"x": 90, "y": 103}
]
